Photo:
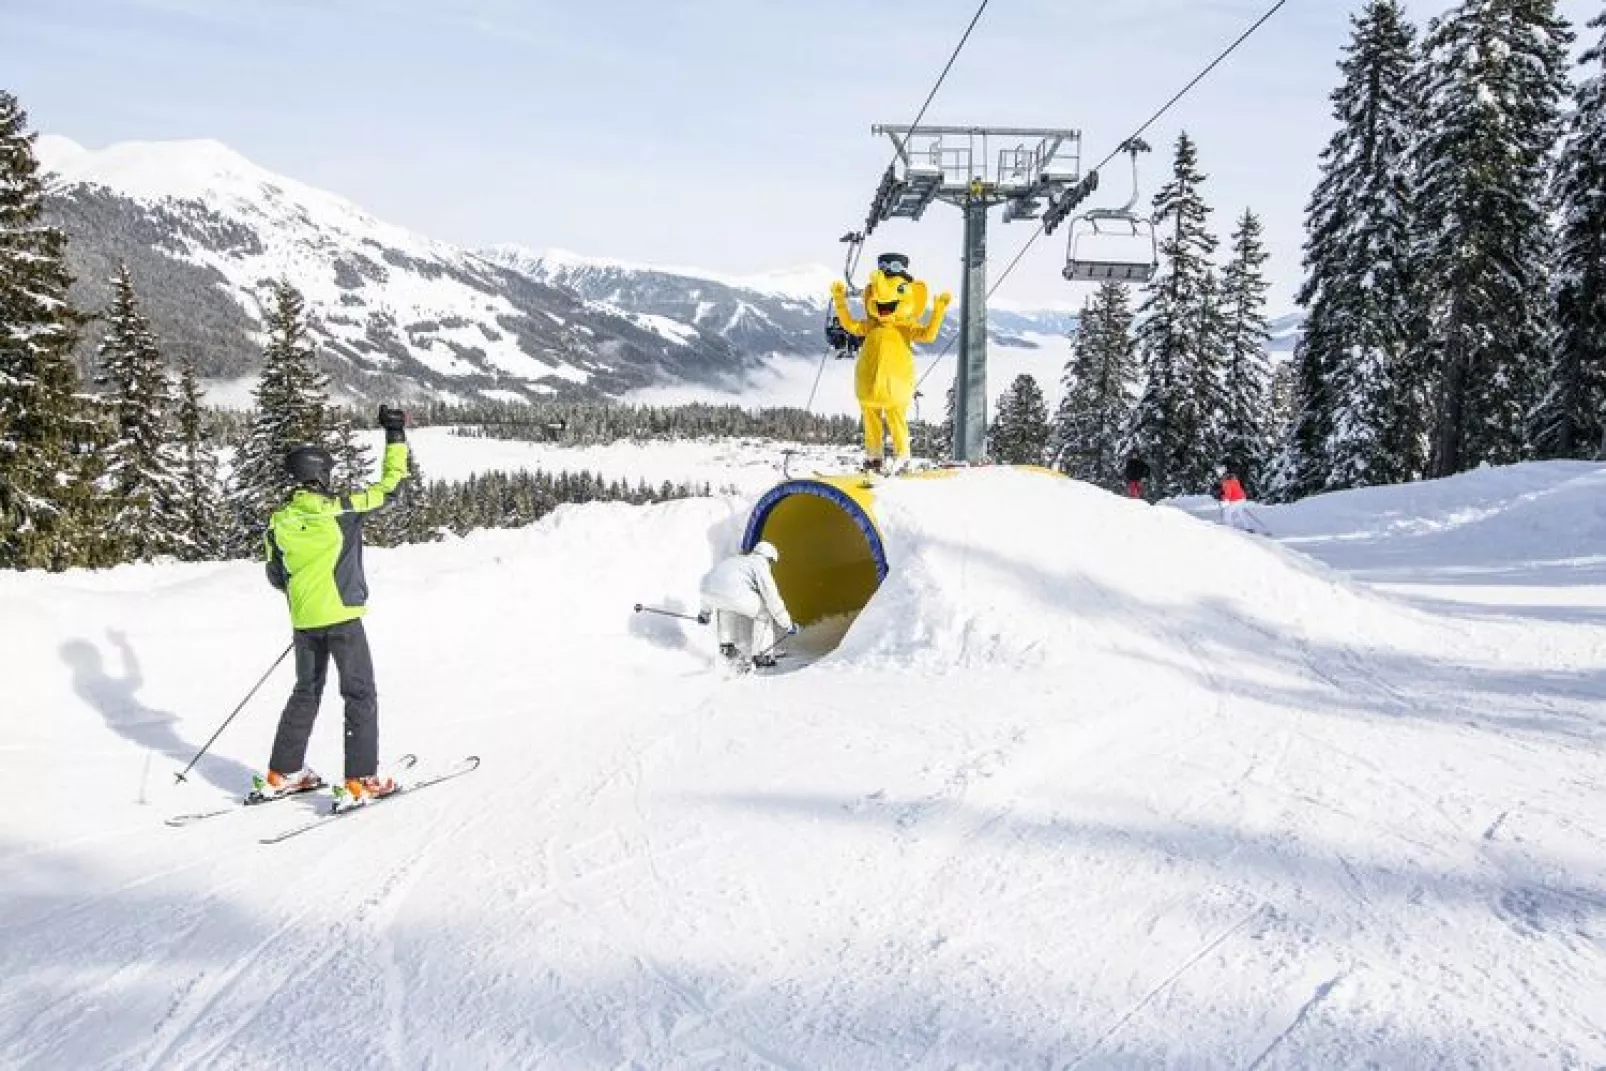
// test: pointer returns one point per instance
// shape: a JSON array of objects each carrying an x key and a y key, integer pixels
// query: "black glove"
[{"x": 394, "y": 421}]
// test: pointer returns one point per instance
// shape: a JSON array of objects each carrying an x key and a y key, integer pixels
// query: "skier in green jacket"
[{"x": 314, "y": 555}]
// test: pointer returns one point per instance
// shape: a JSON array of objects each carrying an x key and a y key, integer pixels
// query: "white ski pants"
[{"x": 751, "y": 633}]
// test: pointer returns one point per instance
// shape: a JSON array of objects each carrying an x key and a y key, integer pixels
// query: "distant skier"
[
  {"x": 1136, "y": 472},
  {"x": 741, "y": 592},
  {"x": 1234, "y": 503},
  {"x": 314, "y": 555}
]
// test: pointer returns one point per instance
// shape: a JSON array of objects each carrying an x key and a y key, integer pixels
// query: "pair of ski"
[
  {"x": 869, "y": 478},
  {"x": 400, "y": 770}
]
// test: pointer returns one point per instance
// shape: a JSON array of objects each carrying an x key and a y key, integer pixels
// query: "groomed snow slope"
[{"x": 1089, "y": 784}]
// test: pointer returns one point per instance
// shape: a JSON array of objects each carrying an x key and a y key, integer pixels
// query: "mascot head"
[{"x": 893, "y": 296}]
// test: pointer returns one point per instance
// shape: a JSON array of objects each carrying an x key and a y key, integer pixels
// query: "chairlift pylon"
[{"x": 1123, "y": 222}]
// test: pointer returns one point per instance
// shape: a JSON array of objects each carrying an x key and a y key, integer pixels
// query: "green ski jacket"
[{"x": 314, "y": 548}]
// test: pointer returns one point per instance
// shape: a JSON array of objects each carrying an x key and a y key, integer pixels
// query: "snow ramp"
[
  {"x": 1020, "y": 567},
  {"x": 833, "y": 557}
]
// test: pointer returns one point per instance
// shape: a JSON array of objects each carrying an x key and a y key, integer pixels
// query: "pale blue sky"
[{"x": 733, "y": 136}]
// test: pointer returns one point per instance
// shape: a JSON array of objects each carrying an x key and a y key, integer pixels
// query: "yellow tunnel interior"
[{"x": 832, "y": 559}]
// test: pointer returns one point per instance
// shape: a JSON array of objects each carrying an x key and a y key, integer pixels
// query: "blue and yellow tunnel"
[{"x": 832, "y": 556}]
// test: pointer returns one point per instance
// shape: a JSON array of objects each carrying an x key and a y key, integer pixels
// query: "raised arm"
[
  {"x": 844, "y": 314},
  {"x": 939, "y": 309},
  {"x": 392, "y": 471}
]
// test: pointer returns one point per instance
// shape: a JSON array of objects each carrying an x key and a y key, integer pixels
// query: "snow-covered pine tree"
[
  {"x": 421, "y": 506},
  {"x": 945, "y": 438},
  {"x": 1097, "y": 401},
  {"x": 199, "y": 505},
  {"x": 1176, "y": 338},
  {"x": 1210, "y": 404},
  {"x": 141, "y": 477},
  {"x": 1571, "y": 419},
  {"x": 291, "y": 401},
  {"x": 1246, "y": 368},
  {"x": 1495, "y": 74},
  {"x": 47, "y": 428},
  {"x": 403, "y": 519},
  {"x": 1019, "y": 434},
  {"x": 1357, "y": 396},
  {"x": 354, "y": 461},
  {"x": 1281, "y": 427}
]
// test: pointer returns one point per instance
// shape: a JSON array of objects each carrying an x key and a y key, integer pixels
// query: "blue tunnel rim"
[{"x": 837, "y": 497}]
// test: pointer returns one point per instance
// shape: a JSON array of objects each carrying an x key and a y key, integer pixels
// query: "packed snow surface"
[{"x": 1089, "y": 784}]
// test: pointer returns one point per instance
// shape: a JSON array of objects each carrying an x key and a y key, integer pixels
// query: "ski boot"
[
  {"x": 872, "y": 466},
  {"x": 358, "y": 791},
  {"x": 273, "y": 785},
  {"x": 764, "y": 661},
  {"x": 728, "y": 650}
]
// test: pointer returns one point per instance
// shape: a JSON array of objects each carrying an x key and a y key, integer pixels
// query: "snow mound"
[
  {"x": 1488, "y": 518},
  {"x": 1016, "y": 568}
]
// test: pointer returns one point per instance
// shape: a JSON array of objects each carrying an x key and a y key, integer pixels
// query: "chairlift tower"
[{"x": 975, "y": 168}]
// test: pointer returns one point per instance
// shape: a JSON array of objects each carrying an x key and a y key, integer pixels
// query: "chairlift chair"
[
  {"x": 840, "y": 344},
  {"x": 1124, "y": 222},
  {"x": 1080, "y": 268}
]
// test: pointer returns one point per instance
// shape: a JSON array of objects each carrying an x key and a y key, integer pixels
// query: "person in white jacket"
[{"x": 741, "y": 593}]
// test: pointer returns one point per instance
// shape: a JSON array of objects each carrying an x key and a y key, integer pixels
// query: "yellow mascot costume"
[{"x": 884, "y": 379}]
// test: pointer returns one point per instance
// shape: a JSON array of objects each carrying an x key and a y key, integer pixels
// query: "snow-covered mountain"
[
  {"x": 784, "y": 317},
  {"x": 1285, "y": 333},
  {"x": 204, "y": 230},
  {"x": 776, "y": 313}
]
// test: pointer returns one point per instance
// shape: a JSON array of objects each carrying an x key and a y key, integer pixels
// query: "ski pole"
[
  {"x": 179, "y": 777},
  {"x": 701, "y": 619},
  {"x": 1260, "y": 524}
]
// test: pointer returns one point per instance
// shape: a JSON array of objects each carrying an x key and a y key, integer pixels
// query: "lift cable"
[
  {"x": 856, "y": 239},
  {"x": 1118, "y": 150}
]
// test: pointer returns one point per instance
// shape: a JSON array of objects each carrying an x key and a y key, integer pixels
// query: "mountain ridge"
[{"x": 396, "y": 314}]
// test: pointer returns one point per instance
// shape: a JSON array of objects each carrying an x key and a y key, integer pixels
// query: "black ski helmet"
[{"x": 310, "y": 464}]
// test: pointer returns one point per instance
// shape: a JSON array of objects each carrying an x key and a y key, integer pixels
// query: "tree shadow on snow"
[{"x": 115, "y": 697}]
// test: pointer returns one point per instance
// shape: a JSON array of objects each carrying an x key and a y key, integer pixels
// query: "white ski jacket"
[{"x": 744, "y": 585}]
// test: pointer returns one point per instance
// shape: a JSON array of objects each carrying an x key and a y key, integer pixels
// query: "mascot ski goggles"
[{"x": 893, "y": 264}]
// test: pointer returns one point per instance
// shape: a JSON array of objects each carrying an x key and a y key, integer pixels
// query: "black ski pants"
[{"x": 347, "y": 644}]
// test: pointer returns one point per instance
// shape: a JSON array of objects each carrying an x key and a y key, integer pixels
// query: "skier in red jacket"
[{"x": 1234, "y": 503}]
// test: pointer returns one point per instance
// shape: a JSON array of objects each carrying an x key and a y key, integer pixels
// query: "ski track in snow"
[{"x": 1089, "y": 784}]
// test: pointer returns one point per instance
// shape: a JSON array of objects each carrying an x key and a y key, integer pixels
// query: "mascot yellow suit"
[{"x": 884, "y": 379}]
